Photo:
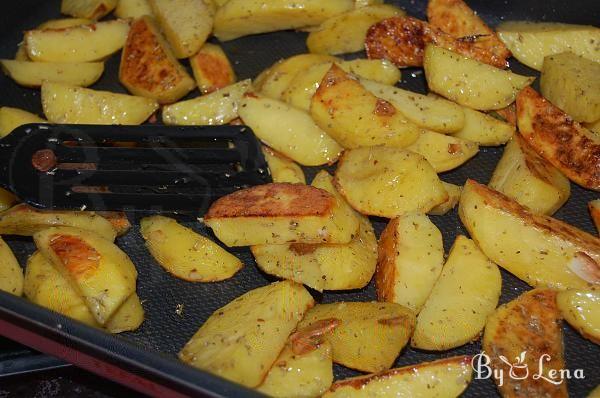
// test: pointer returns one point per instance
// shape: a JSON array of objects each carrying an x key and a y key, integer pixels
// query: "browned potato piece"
[
  {"x": 118, "y": 219},
  {"x": 528, "y": 330},
  {"x": 594, "y": 207},
  {"x": 212, "y": 68},
  {"x": 149, "y": 68},
  {"x": 90, "y": 9},
  {"x": 567, "y": 145}
]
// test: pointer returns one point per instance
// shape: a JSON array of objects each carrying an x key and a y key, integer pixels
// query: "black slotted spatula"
[{"x": 146, "y": 168}]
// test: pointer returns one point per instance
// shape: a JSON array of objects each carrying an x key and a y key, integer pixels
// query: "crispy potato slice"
[
  {"x": 594, "y": 207},
  {"x": 186, "y": 254},
  {"x": 149, "y": 68},
  {"x": 581, "y": 308},
  {"x": 7, "y": 200},
  {"x": 469, "y": 82},
  {"x": 540, "y": 250},
  {"x": 282, "y": 168},
  {"x": 454, "y": 192},
  {"x": 447, "y": 377},
  {"x": 11, "y": 274},
  {"x": 527, "y": 330},
  {"x": 369, "y": 336},
  {"x": 354, "y": 117},
  {"x": 118, "y": 219},
  {"x": 85, "y": 43},
  {"x": 67, "y": 104},
  {"x": 212, "y": 68},
  {"x": 257, "y": 325},
  {"x": 25, "y": 220},
  {"x": 133, "y": 9},
  {"x": 63, "y": 23},
  {"x": 32, "y": 74},
  {"x": 11, "y": 118},
  {"x": 90, "y": 9},
  {"x": 128, "y": 317},
  {"x": 279, "y": 214},
  {"x": 388, "y": 182},
  {"x": 526, "y": 177},
  {"x": 100, "y": 272},
  {"x": 411, "y": 256},
  {"x": 443, "y": 152},
  {"x": 288, "y": 130},
  {"x": 186, "y": 23},
  {"x": 237, "y": 18},
  {"x": 346, "y": 33},
  {"x": 571, "y": 83},
  {"x": 484, "y": 129},
  {"x": 568, "y": 146},
  {"x": 465, "y": 294},
  {"x": 530, "y": 42}
]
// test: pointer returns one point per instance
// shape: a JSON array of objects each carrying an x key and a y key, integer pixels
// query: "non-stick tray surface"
[{"x": 151, "y": 351}]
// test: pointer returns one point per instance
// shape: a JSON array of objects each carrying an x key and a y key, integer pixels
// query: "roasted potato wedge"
[
  {"x": 68, "y": 104},
  {"x": 594, "y": 207},
  {"x": 354, "y": 117},
  {"x": 279, "y": 214},
  {"x": 447, "y": 377},
  {"x": 63, "y": 23},
  {"x": 529, "y": 179},
  {"x": 528, "y": 330},
  {"x": 11, "y": 274},
  {"x": 469, "y": 82},
  {"x": 378, "y": 70},
  {"x": 593, "y": 127},
  {"x": 443, "y": 152},
  {"x": 568, "y": 146},
  {"x": 388, "y": 182},
  {"x": 94, "y": 266},
  {"x": 186, "y": 23},
  {"x": 257, "y": 324},
  {"x": 571, "y": 83},
  {"x": 32, "y": 74},
  {"x": 531, "y": 42},
  {"x": 212, "y": 68},
  {"x": 346, "y": 33},
  {"x": 11, "y": 118},
  {"x": 411, "y": 256},
  {"x": 369, "y": 336},
  {"x": 186, "y": 254},
  {"x": 128, "y": 317},
  {"x": 149, "y": 68},
  {"x": 454, "y": 192},
  {"x": 288, "y": 130},
  {"x": 7, "y": 200},
  {"x": 133, "y": 9},
  {"x": 484, "y": 129},
  {"x": 282, "y": 168},
  {"x": 117, "y": 219},
  {"x": 465, "y": 294},
  {"x": 237, "y": 18},
  {"x": 85, "y": 43},
  {"x": 25, "y": 220},
  {"x": 540, "y": 250},
  {"x": 90, "y": 9},
  {"x": 581, "y": 308}
]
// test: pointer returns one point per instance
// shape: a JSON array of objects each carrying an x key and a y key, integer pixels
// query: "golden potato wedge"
[
  {"x": 133, "y": 9},
  {"x": 117, "y": 219},
  {"x": 100, "y": 272},
  {"x": 68, "y": 104},
  {"x": 212, "y": 68},
  {"x": 484, "y": 129},
  {"x": 443, "y": 152},
  {"x": 25, "y": 220},
  {"x": 369, "y": 336},
  {"x": 571, "y": 83},
  {"x": 11, "y": 274},
  {"x": 594, "y": 207},
  {"x": 85, "y": 43},
  {"x": 186, "y": 254},
  {"x": 217, "y": 108},
  {"x": 21, "y": 54},
  {"x": 354, "y": 117},
  {"x": 279, "y": 214},
  {"x": 90, "y": 9},
  {"x": 568, "y": 146},
  {"x": 63, "y": 23},
  {"x": 378, "y": 70},
  {"x": 469, "y": 82},
  {"x": 388, "y": 182},
  {"x": 581, "y": 308},
  {"x": 530, "y": 42},
  {"x": 447, "y": 377},
  {"x": 540, "y": 250},
  {"x": 288, "y": 130},
  {"x": 508, "y": 114},
  {"x": 346, "y": 33},
  {"x": 593, "y": 127},
  {"x": 32, "y": 74},
  {"x": 237, "y": 18},
  {"x": 186, "y": 23},
  {"x": 411, "y": 256},
  {"x": 128, "y": 317},
  {"x": 454, "y": 192},
  {"x": 7, "y": 200},
  {"x": 465, "y": 294},
  {"x": 282, "y": 168},
  {"x": 149, "y": 68},
  {"x": 257, "y": 324},
  {"x": 527, "y": 330},
  {"x": 11, "y": 118},
  {"x": 529, "y": 179},
  {"x": 433, "y": 113}
]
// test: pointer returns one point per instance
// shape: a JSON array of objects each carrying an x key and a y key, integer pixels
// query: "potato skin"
[{"x": 594, "y": 208}]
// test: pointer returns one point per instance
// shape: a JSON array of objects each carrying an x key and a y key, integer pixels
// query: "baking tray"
[{"x": 146, "y": 359}]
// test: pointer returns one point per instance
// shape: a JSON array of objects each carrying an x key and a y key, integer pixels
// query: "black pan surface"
[{"x": 150, "y": 351}]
